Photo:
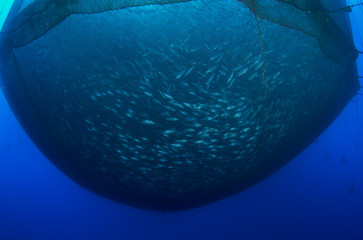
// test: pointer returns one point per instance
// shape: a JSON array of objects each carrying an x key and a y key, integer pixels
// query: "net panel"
[
  {"x": 42, "y": 15},
  {"x": 311, "y": 18},
  {"x": 318, "y": 18}
]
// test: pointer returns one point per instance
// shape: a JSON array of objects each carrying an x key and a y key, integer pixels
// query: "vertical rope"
[
  {"x": 267, "y": 88},
  {"x": 265, "y": 122}
]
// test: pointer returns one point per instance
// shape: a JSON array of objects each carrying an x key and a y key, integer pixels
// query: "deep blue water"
[{"x": 318, "y": 195}]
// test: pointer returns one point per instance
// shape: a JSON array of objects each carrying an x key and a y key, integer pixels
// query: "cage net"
[{"x": 175, "y": 106}]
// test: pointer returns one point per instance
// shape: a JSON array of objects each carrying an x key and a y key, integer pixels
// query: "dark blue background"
[{"x": 318, "y": 195}]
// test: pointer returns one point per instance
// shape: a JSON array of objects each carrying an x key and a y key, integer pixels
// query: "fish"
[{"x": 166, "y": 107}]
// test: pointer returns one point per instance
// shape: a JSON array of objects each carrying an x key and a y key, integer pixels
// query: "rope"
[{"x": 262, "y": 55}]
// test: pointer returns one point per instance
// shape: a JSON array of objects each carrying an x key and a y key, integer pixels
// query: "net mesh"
[
  {"x": 312, "y": 18},
  {"x": 42, "y": 15},
  {"x": 318, "y": 18}
]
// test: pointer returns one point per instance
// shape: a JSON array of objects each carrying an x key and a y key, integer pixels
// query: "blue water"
[{"x": 318, "y": 195}]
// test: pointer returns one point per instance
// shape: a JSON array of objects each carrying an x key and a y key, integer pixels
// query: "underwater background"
[{"x": 318, "y": 195}]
